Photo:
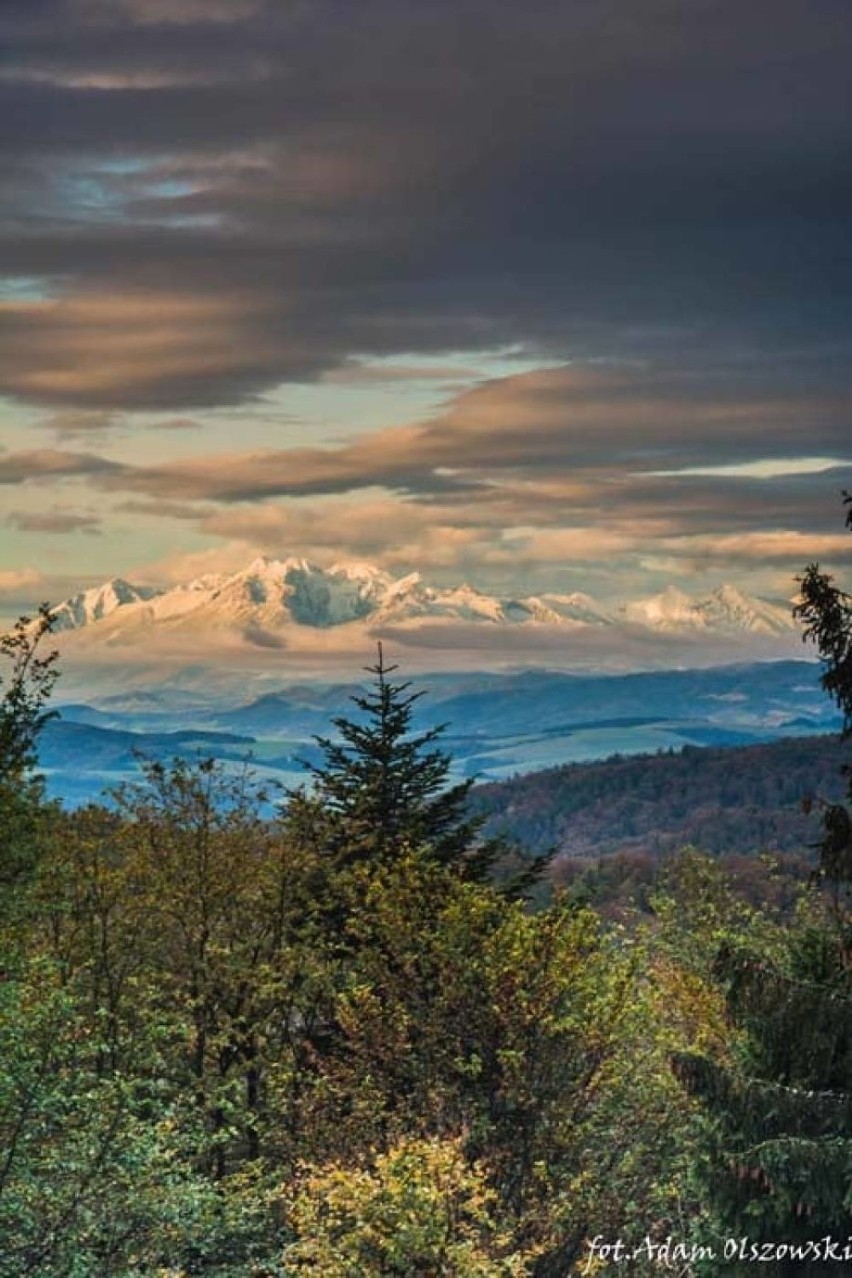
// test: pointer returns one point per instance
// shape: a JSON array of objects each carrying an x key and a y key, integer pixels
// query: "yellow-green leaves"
[{"x": 421, "y": 1208}]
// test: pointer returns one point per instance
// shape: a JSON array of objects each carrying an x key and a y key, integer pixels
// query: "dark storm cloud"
[
  {"x": 584, "y": 425},
  {"x": 576, "y": 436},
  {"x": 714, "y": 504},
  {"x": 283, "y": 186}
]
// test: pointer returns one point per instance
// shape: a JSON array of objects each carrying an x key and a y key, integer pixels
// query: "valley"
[{"x": 496, "y": 725}]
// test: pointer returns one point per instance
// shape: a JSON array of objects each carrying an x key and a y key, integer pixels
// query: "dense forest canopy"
[{"x": 744, "y": 799}]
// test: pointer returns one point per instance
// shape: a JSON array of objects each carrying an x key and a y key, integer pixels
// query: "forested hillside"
[
  {"x": 340, "y": 1040},
  {"x": 728, "y": 800}
]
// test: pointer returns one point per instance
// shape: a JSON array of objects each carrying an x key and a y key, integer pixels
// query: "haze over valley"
[{"x": 497, "y": 724}]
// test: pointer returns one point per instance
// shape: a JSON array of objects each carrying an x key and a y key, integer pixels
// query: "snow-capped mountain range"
[{"x": 276, "y": 602}]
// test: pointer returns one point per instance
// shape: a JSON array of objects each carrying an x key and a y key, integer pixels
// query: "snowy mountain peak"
[
  {"x": 261, "y": 567},
  {"x": 258, "y": 565},
  {"x": 266, "y": 567},
  {"x": 409, "y": 582},
  {"x": 576, "y": 606},
  {"x": 359, "y": 570},
  {"x": 729, "y": 594},
  {"x": 98, "y": 603},
  {"x": 728, "y": 608},
  {"x": 286, "y": 602},
  {"x": 671, "y": 609}
]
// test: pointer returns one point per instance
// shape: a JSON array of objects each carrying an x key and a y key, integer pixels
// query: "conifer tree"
[
  {"x": 780, "y": 1135},
  {"x": 826, "y": 611},
  {"x": 383, "y": 790},
  {"x": 781, "y": 1143}
]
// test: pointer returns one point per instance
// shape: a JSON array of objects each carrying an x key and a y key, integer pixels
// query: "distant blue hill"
[
  {"x": 496, "y": 725},
  {"x": 79, "y": 760}
]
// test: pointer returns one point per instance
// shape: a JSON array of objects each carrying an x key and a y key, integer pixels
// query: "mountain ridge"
[
  {"x": 279, "y": 598},
  {"x": 496, "y": 725}
]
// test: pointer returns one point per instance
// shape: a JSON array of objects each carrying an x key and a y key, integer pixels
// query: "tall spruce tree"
[
  {"x": 779, "y": 1138},
  {"x": 383, "y": 790},
  {"x": 781, "y": 1142}
]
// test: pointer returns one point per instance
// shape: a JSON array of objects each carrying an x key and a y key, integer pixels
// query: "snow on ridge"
[
  {"x": 294, "y": 594},
  {"x": 98, "y": 603},
  {"x": 727, "y": 610},
  {"x": 728, "y": 606},
  {"x": 577, "y": 607},
  {"x": 671, "y": 609}
]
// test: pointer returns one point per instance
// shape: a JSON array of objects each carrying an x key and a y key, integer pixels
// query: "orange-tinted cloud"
[
  {"x": 570, "y": 424},
  {"x": 114, "y": 350},
  {"x": 13, "y": 580}
]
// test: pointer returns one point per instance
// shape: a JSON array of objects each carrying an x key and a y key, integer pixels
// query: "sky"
[{"x": 540, "y": 296}]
